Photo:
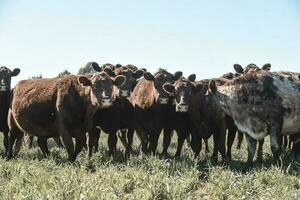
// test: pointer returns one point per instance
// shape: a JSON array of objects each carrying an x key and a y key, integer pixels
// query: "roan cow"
[{"x": 261, "y": 103}]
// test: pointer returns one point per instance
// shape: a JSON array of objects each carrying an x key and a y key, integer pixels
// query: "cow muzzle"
[
  {"x": 182, "y": 108},
  {"x": 124, "y": 93},
  {"x": 105, "y": 103},
  {"x": 3, "y": 88},
  {"x": 163, "y": 100}
]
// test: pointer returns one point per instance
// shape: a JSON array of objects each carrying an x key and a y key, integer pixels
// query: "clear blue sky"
[{"x": 195, "y": 36}]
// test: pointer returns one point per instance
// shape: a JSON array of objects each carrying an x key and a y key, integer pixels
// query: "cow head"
[
  {"x": 5, "y": 78},
  {"x": 251, "y": 68},
  {"x": 159, "y": 79},
  {"x": 131, "y": 79},
  {"x": 183, "y": 89},
  {"x": 108, "y": 65},
  {"x": 101, "y": 88}
]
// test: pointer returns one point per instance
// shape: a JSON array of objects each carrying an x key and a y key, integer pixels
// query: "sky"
[{"x": 193, "y": 36}]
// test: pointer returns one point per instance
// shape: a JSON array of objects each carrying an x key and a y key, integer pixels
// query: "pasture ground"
[{"x": 30, "y": 176}]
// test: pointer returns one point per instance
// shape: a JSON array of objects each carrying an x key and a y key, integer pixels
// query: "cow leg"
[
  {"x": 196, "y": 143},
  {"x": 97, "y": 133},
  {"x": 91, "y": 139},
  {"x": 240, "y": 139},
  {"x": 42, "y": 142},
  {"x": 154, "y": 141},
  {"x": 5, "y": 141},
  {"x": 206, "y": 146},
  {"x": 79, "y": 143},
  {"x": 14, "y": 133},
  {"x": 18, "y": 143},
  {"x": 28, "y": 141},
  {"x": 68, "y": 143},
  {"x": 188, "y": 140},
  {"x": 130, "y": 133},
  {"x": 296, "y": 145},
  {"x": 251, "y": 150},
  {"x": 230, "y": 139},
  {"x": 260, "y": 150},
  {"x": 122, "y": 134},
  {"x": 166, "y": 142},
  {"x": 58, "y": 142},
  {"x": 112, "y": 143},
  {"x": 144, "y": 139},
  {"x": 285, "y": 142},
  {"x": 181, "y": 137},
  {"x": 276, "y": 141},
  {"x": 219, "y": 142}
]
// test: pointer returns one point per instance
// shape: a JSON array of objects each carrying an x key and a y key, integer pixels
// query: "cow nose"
[
  {"x": 124, "y": 93},
  {"x": 182, "y": 108},
  {"x": 163, "y": 100},
  {"x": 106, "y": 103}
]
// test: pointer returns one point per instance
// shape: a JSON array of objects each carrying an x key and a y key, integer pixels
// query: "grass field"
[{"x": 30, "y": 176}]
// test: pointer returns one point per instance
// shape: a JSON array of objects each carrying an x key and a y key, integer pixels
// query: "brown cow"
[
  {"x": 178, "y": 118},
  {"x": 62, "y": 107},
  {"x": 5, "y": 92},
  {"x": 119, "y": 116},
  {"x": 150, "y": 103},
  {"x": 261, "y": 103},
  {"x": 205, "y": 116}
]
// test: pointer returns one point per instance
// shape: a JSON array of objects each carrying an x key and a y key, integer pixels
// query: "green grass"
[{"x": 30, "y": 176}]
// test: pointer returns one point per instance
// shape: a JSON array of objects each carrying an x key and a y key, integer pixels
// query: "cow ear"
[
  {"x": 169, "y": 88},
  {"x": 119, "y": 80},
  {"x": 266, "y": 67},
  {"x": 84, "y": 81},
  {"x": 192, "y": 77},
  {"x": 148, "y": 76},
  {"x": 144, "y": 69},
  {"x": 118, "y": 66},
  {"x": 109, "y": 72},
  {"x": 197, "y": 87},
  {"x": 212, "y": 86},
  {"x": 138, "y": 74},
  {"x": 94, "y": 66},
  {"x": 15, "y": 72},
  {"x": 177, "y": 75},
  {"x": 238, "y": 68}
]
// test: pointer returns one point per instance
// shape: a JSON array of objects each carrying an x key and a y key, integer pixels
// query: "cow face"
[
  {"x": 5, "y": 78},
  {"x": 131, "y": 78},
  {"x": 101, "y": 88},
  {"x": 159, "y": 79},
  {"x": 182, "y": 90},
  {"x": 251, "y": 68}
]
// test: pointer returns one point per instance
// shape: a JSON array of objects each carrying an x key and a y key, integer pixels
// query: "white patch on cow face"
[
  {"x": 290, "y": 95},
  {"x": 104, "y": 95}
]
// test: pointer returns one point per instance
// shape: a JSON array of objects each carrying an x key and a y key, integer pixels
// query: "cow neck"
[
  {"x": 90, "y": 109},
  {"x": 4, "y": 97}
]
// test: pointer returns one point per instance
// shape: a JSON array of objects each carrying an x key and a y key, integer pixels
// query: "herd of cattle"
[{"x": 123, "y": 100}]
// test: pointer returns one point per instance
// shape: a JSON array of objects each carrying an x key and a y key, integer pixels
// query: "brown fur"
[{"x": 56, "y": 107}]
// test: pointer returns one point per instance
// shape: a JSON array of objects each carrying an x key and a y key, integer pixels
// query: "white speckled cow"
[{"x": 261, "y": 103}]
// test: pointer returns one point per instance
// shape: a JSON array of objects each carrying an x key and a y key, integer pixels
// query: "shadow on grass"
[{"x": 289, "y": 165}]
